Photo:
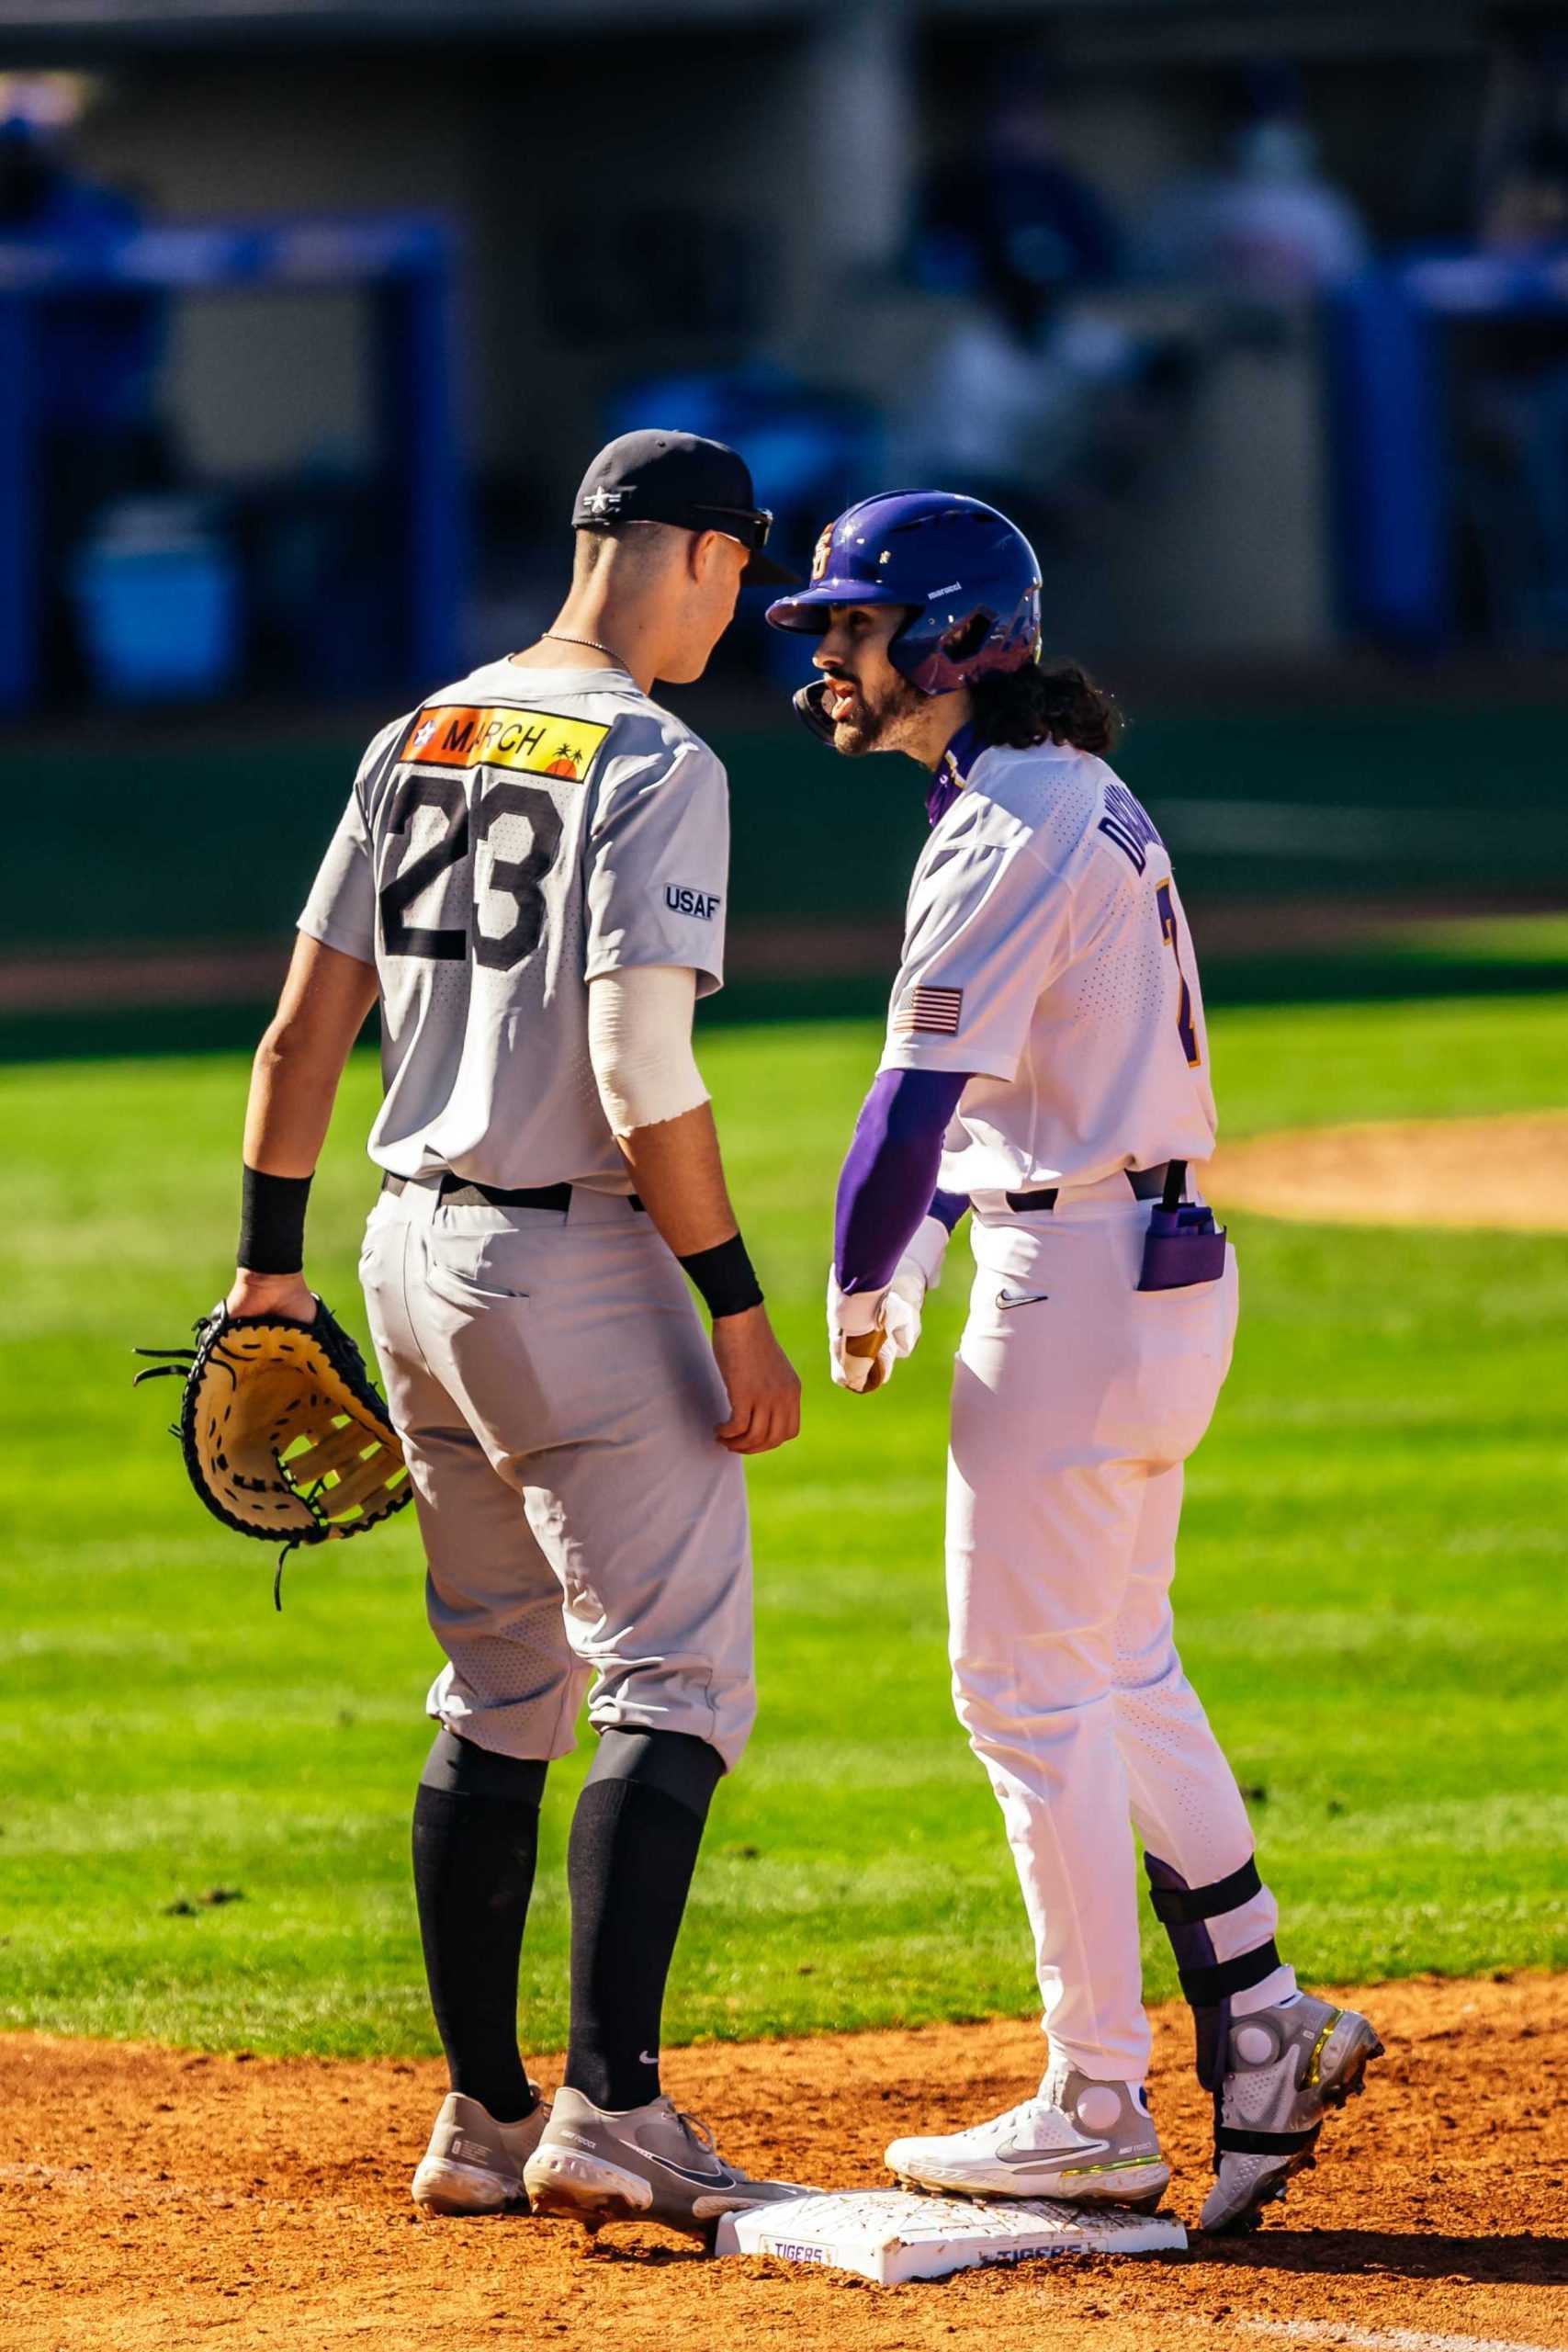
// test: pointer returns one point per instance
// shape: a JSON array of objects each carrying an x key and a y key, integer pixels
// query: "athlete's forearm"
[
  {"x": 678, "y": 1174},
  {"x": 888, "y": 1182},
  {"x": 294, "y": 1078},
  {"x": 294, "y": 1081},
  {"x": 639, "y": 1042}
]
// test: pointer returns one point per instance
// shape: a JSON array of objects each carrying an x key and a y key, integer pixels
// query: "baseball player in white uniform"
[
  {"x": 1046, "y": 1068},
  {"x": 530, "y": 876}
]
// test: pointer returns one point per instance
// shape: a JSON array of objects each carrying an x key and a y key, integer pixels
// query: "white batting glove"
[
  {"x": 854, "y": 1322},
  {"x": 919, "y": 1269},
  {"x": 893, "y": 1316}
]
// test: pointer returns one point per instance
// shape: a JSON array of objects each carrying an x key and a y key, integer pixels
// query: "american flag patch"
[{"x": 932, "y": 1011}]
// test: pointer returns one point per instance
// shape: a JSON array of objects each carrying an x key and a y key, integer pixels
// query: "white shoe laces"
[{"x": 1018, "y": 2115}]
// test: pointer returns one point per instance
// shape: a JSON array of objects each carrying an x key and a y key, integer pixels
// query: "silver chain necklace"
[{"x": 558, "y": 637}]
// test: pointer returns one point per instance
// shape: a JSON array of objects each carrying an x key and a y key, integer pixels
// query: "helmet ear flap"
[
  {"x": 905, "y": 660},
  {"x": 961, "y": 644}
]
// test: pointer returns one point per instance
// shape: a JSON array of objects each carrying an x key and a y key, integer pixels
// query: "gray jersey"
[{"x": 523, "y": 832}]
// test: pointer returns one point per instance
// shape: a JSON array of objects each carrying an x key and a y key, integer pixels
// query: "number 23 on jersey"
[{"x": 442, "y": 742}]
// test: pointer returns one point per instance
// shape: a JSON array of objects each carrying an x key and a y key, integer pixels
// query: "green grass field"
[{"x": 1371, "y": 1592}]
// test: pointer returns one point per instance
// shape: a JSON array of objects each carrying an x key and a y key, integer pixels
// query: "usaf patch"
[{"x": 681, "y": 900}]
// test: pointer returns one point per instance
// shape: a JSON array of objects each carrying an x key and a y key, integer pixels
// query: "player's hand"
[
  {"x": 271, "y": 1295},
  {"x": 762, "y": 1384},
  {"x": 868, "y": 1333},
  {"x": 862, "y": 1349}
]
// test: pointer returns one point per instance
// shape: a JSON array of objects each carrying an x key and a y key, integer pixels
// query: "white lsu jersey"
[
  {"x": 1045, "y": 951},
  {"x": 521, "y": 833}
]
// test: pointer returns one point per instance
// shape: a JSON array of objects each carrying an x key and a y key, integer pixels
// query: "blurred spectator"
[
  {"x": 1269, "y": 227},
  {"x": 1023, "y": 393},
  {"x": 1527, "y": 212},
  {"x": 1009, "y": 202},
  {"x": 1034, "y": 399},
  {"x": 1510, "y": 398},
  {"x": 99, "y": 348}
]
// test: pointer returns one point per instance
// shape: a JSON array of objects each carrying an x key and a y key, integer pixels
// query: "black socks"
[
  {"x": 634, "y": 1844},
  {"x": 476, "y": 1829},
  {"x": 635, "y": 1837}
]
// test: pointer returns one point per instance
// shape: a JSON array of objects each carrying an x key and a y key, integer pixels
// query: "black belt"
[
  {"x": 1147, "y": 1183},
  {"x": 464, "y": 1193}
]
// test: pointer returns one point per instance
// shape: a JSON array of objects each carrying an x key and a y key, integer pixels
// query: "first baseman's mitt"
[{"x": 283, "y": 1432}]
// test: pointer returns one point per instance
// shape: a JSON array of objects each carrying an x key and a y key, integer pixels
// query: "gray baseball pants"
[{"x": 557, "y": 1397}]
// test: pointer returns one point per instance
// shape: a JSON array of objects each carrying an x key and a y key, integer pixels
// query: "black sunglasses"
[{"x": 758, "y": 519}]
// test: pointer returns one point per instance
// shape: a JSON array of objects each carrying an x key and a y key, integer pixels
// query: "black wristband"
[
  {"x": 726, "y": 1277},
  {"x": 272, "y": 1223}
]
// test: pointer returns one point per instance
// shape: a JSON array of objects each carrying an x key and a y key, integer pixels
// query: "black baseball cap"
[{"x": 680, "y": 478}]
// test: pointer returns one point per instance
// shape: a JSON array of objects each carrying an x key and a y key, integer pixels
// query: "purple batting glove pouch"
[{"x": 1184, "y": 1247}]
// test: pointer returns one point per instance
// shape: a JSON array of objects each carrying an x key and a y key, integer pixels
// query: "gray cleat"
[
  {"x": 1285, "y": 2067},
  {"x": 473, "y": 2164},
  {"x": 1087, "y": 2141},
  {"x": 642, "y": 2164}
]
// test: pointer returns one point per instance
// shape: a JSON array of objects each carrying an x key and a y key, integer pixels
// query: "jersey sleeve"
[
  {"x": 987, "y": 931},
  {"x": 341, "y": 908},
  {"x": 658, "y": 865}
]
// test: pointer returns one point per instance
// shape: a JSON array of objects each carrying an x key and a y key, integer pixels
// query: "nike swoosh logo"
[
  {"x": 648, "y": 2057},
  {"x": 698, "y": 2179},
  {"x": 1049, "y": 2155},
  {"x": 1023, "y": 1297}
]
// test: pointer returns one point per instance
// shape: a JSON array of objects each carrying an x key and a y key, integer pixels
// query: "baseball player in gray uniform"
[
  {"x": 530, "y": 876},
  {"x": 1046, "y": 1067}
]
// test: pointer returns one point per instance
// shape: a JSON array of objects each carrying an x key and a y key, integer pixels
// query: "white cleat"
[
  {"x": 1087, "y": 2141},
  {"x": 473, "y": 2164},
  {"x": 1285, "y": 2067},
  {"x": 640, "y": 2164}
]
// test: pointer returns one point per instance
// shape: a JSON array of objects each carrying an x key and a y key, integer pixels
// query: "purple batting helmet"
[{"x": 970, "y": 576}]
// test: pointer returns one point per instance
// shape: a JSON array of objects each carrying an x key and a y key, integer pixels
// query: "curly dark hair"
[{"x": 1045, "y": 701}]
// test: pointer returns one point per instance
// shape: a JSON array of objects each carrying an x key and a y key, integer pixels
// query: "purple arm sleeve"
[{"x": 888, "y": 1180}]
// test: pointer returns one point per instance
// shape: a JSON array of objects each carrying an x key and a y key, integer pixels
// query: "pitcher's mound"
[{"x": 1509, "y": 1172}]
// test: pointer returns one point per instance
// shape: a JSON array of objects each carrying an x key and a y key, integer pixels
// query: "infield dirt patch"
[
  {"x": 154, "y": 2198},
  {"x": 1510, "y": 1173}
]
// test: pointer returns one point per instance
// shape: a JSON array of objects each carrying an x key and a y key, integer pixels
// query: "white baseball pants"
[{"x": 1077, "y": 1400}]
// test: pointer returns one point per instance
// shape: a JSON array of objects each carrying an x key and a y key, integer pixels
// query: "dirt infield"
[
  {"x": 152, "y": 2198},
  {"x": 1506, "y": 1173}
]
